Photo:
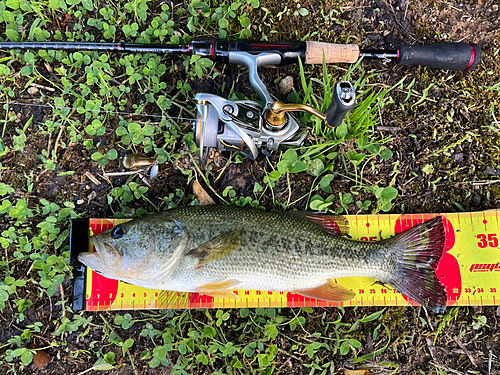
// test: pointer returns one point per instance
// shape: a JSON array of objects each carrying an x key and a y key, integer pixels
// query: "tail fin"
[{"x": 418, "y": 252}]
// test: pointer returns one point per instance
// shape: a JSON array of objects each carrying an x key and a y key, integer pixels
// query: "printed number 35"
[{"x": 492, "y": 240}]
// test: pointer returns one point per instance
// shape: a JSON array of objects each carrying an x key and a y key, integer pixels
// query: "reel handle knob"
[{"x": 344, "y": 98}]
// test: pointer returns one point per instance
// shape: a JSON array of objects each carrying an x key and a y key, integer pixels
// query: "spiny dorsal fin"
[
  {"x": 217, "y": 248},
  {"x": 330, "y": 291},
  {"x": 337, "y": 225}
]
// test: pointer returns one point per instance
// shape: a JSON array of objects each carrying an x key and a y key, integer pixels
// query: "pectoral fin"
[
  {"x": 220, "y": 289},
  {"x": 217, "y": 248},
  {"x": 330, "y": 291}
]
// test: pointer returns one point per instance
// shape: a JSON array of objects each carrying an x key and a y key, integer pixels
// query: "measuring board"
[{"x": 469, "y": 269}]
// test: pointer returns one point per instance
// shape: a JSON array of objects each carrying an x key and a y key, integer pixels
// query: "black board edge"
[{"x": 78, "y": 242}]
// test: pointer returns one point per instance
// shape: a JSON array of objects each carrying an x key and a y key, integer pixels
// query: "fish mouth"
[{"x": 103, "y": 257}]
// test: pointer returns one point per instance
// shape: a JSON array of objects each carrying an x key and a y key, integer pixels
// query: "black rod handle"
[{"x": 449, "y": 56}]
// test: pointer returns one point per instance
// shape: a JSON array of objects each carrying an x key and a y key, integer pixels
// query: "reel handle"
[{"x": 344, "y": 98}]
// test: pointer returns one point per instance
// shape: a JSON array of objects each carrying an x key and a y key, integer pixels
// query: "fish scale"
[
  {"x": 311, "y": 255},
  {"x": 214, "y": 249}
]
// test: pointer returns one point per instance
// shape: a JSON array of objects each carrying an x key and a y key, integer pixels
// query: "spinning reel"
[{"x": 249, "y": 127}]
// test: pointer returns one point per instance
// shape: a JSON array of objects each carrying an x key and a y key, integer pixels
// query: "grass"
[{"x": 98, "y": 107}]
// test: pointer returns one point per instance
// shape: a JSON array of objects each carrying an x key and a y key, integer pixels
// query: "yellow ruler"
[{"x": 469, "y": 269}]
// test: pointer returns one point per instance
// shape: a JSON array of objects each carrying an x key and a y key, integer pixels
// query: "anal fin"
[{"x": 330, "y": 291}]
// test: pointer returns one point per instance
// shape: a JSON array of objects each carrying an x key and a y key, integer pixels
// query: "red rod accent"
[
  {"x": 472, "y": 56},
  {"x": 213, "y": 48},
  {"x": 397, "y": 56},
  {"x": 119, "y": 46},
  {"x": 271, "y": 45}
]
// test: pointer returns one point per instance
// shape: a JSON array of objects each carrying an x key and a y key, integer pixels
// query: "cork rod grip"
[{"x": 334, "y": 53}]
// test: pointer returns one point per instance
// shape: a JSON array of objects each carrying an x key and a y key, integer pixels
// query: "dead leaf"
[
  {"x": 40, "y": 358},
  {"x": 201, "y": 194},
  {"x": 356, "y": 372}
]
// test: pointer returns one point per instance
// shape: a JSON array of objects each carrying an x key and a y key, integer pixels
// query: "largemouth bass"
[{"x": 215, "y": 249}]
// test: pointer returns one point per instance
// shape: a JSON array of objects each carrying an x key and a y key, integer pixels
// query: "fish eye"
[{"x": 118, "y": 232}]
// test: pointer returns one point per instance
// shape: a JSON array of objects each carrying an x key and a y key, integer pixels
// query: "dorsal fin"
[{"x": 338, "y": 225}]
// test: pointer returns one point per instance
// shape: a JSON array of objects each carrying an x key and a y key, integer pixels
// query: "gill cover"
[{"x": 143, "y": 251}]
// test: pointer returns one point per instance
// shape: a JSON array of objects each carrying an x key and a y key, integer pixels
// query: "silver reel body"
[
  {"x": 249, "y": 127},
  {"x": 240, "y": 126}
]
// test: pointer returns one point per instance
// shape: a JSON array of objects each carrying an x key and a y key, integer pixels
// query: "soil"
[{"x": 461, "y": 149}]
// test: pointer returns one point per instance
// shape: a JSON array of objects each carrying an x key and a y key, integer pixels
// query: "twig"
[
  {"x": 117, "y": 335},
  {"x": 92, "y": 178},
  {"x": 447, "y": 369},
  {"x": 57, "y": 140},
  {"x": 477, "y": 183},
  {"x": 490, "y": 357},
  {"x": 467, "y": 353},
  {"x": 62, "y": 299},
  {"x": 205, "y": 179},
  {"x": 43, "y": 87},
  {"x": 428, "y": 318},
  {"x": 120, "y": 173},
  {"x": 392, "y": 129}
]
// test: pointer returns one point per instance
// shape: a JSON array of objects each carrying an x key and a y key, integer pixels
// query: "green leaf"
[
  {"x": 58, "y": 279},
  {"x": 202, "y": 358},
  {"x": 300, "y": 166},
  {"x": 13, "y": 35},
  {"x": 372, "y": 317},
  {"x": 275, "y": 175},
  {"x": 128, "y": 343},
  {"x": 388, "y": 194},
  {"x": 97, "y": 156},
  {"x": 341, "y": 131},
  {"x": 45, "y": 283},
  {"x": 65, "y": 212},
  {"x": 12, "y": 4},
  {"x": 283, "y": 166},
  {"x": 290, "y": 155},
  {"x": 344, "y": 348},
  {"x": 27, "y": 357},
  {"x": 223, "y": 23},
  {"x": 316, "y": 167},
  {"x": 303, "y": 12},
  {"x": 373, "y": 148},
  {"x": 121, "y": 131},
  {"x": 244, "y": 21},
  {"x": 355, "y": 343},
  {"x": 148, "y": 130},
  {"x": 4, "y": 296},
  {"x": 112, "y": 154},
  {"x": 386, "y": 153},
  {"x": 324, "y": 184}
]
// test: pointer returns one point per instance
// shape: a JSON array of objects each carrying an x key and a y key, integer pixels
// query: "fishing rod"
[
  {"x": 448, "y": 56},
  {"x": 248, "y": 126}
]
